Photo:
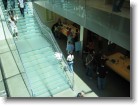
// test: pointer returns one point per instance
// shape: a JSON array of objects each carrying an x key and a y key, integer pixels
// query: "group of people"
[
  {"x": 70, "y": 47},
  {"x": 95, "y": 65},
  {"x": 94, "y": 61},
  {"x": 12, "y": 20},
  {"x": 22, "y": 4},
  {"x": 72, "y": 37}
]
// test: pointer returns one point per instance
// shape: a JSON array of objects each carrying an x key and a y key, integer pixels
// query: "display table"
[
  {"x": 120, "y": 64},
  {"x": 64, "y": 29}
]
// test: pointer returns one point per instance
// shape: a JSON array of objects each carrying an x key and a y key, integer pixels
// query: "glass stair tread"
[{"x": 46, "y": 94}]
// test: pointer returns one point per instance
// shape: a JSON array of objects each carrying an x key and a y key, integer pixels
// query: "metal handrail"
[{"x": 30, "y": 91}]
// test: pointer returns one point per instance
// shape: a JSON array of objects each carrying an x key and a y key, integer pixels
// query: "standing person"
[
  {"x": 55, "y": 31},
  {"x": 70, "y": 47},
  {"x": 12, "y": 3},
  {"x": 53, "y": 27},
  {"x": 97, "y": 60},
  {"x": 5, "y": 4},
  {"x": 77, "y": 35},
  {"x": 101, "y": 74},
  {"x": 69, "y": 35},
  {"x": 111, "y": 46},
  {"x": 12, "y": 20},
  {"x": 100, "y": 43},
  {"x": 59, "y": 22},
  {"x": 70, "y": 59},
  {"x": 89, "y": 65},
  {"x": 21, "y": 6},
  {"x": 90, "y": 46},
  {"x": 117, "y": 5}
]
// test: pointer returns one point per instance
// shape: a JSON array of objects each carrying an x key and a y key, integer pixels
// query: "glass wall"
[{"x": 97, "y": 16}]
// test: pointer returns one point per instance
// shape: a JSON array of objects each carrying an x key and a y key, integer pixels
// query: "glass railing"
[{"x": 48, "y": 35}]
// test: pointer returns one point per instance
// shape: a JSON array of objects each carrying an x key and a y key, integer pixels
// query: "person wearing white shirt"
[
  {"x": 70, "y": 59},
  {"x": 12, "y": 21},
  {"x": 21, "y": 6}
]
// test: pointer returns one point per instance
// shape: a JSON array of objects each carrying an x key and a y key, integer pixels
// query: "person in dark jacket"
[
  {"x": 101, "y": 75},
  {"x": 89, "y": 65}
]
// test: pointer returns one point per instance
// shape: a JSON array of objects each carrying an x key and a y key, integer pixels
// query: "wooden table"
[
  {"x": 64, "y": 29},
  {"x": 120, "y": 64}
]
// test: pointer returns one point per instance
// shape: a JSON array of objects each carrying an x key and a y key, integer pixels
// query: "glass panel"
[{"x": 98, "y": 16}]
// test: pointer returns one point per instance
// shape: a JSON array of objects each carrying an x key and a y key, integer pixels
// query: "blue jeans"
[
  {"x": 101, "y": 83},
  {"x": 70, "y": 66}
]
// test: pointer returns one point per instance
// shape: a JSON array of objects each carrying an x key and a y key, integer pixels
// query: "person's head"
[
  {"x": 70, "y": 53},
  {"x": 81, "y": 94}
]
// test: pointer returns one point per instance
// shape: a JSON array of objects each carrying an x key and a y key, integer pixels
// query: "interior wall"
[{"x": 47, "y": 17}]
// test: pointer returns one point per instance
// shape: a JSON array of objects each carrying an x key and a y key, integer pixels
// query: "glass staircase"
[{"x": 45, "y": 73}]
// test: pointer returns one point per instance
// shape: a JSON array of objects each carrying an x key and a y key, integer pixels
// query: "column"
[{"x": 81, "y": 37}]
